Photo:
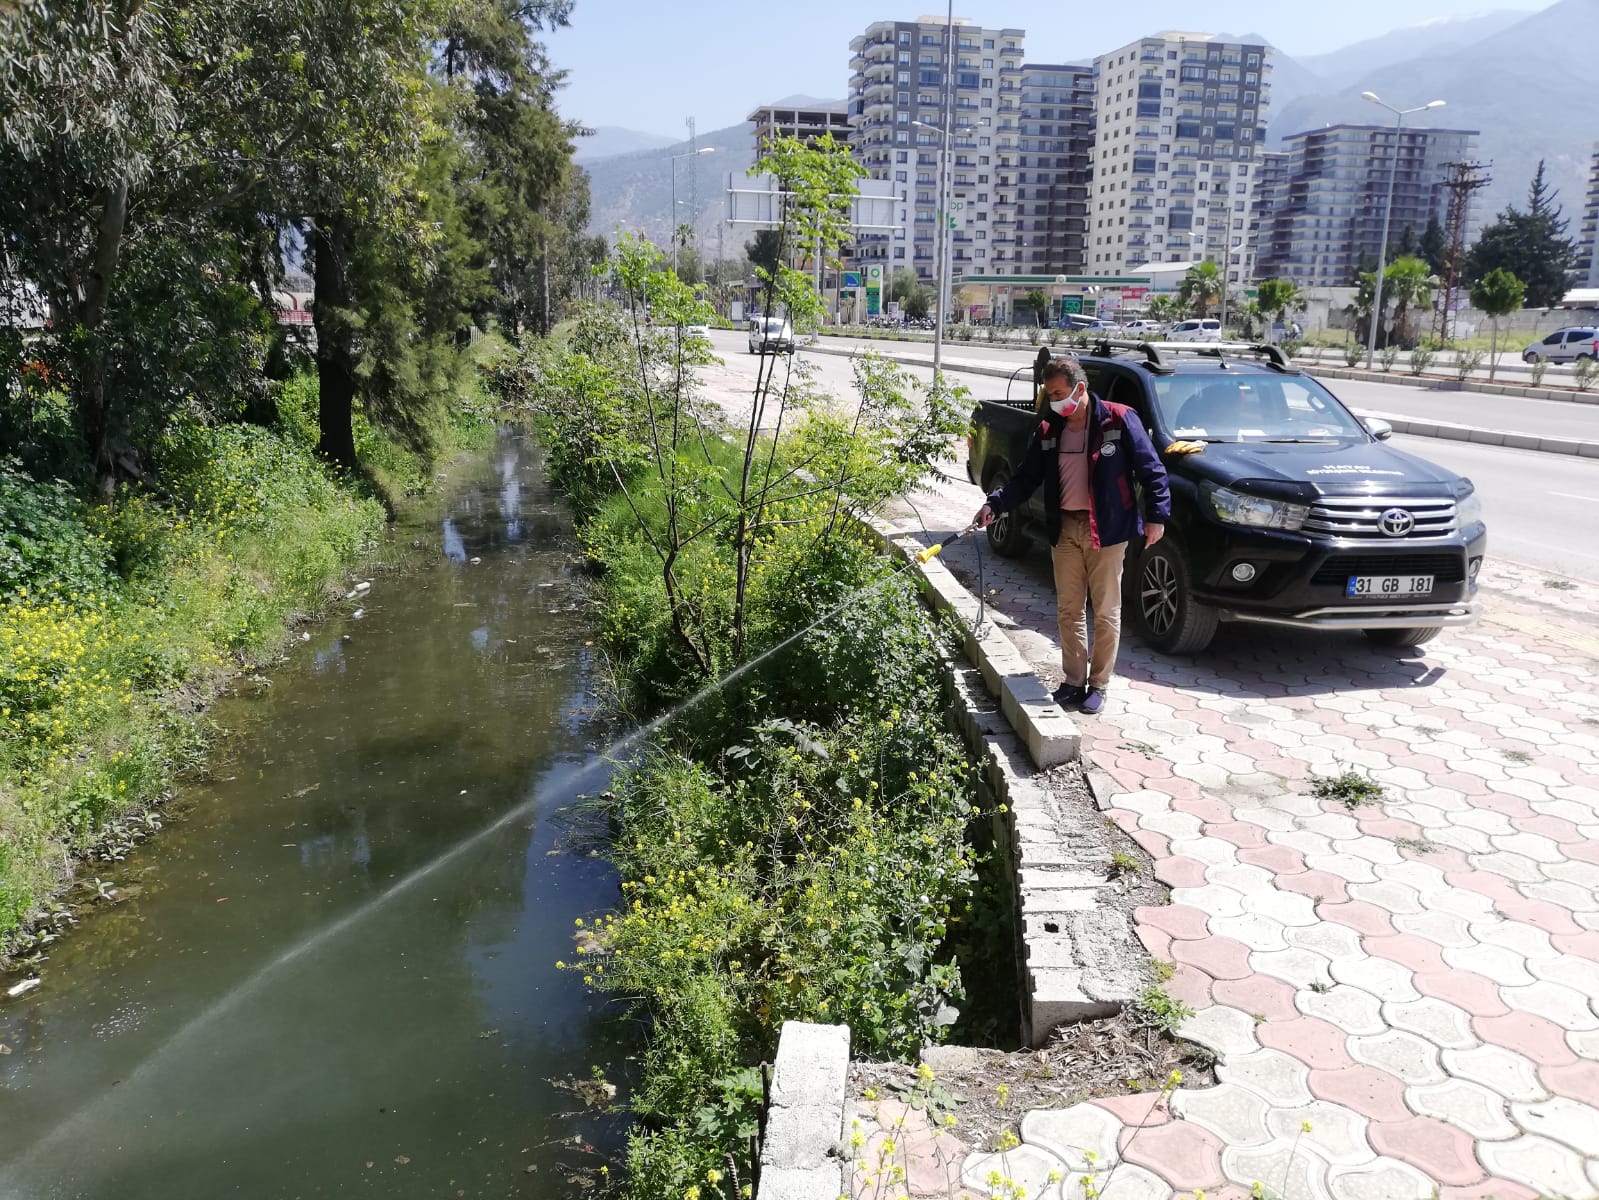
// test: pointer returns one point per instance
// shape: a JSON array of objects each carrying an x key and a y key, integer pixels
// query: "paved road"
[
  {"x": 1541, "y": 508},
  {"x": 1545, "y": 418}
]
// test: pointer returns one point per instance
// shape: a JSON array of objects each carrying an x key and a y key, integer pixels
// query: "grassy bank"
[
  {"x": 795, "y": 844},
  {"x": 119, "y": 622}
]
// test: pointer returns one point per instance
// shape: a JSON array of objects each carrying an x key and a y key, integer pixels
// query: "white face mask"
[{"x": 1067, "y": 406}]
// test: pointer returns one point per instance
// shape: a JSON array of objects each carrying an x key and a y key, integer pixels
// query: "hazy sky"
[{"x": 647, "y": 65}]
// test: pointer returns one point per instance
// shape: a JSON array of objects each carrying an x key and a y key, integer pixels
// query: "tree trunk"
[
  {"x": 332, "y": 241},
  {"x": 544, "y": 285},
  {"x": 94, "y": 404},
  {"x": 1493, "y": 348}
]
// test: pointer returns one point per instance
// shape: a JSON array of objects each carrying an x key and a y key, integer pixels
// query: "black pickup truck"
[{"x": 1292, "y": 511}]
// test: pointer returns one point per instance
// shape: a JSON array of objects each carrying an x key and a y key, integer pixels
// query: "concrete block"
[
  {"x": 1058, "y": 998},
  {"x": 1053, "y": 739},
  {"x": 1485, "y": 437},
  {"x": 1102, "y": 787},
  {"x": 803, "y": 1138},
  {"x": 1559, "y": 445},
  {"x": 1045, "y": 902},
  {"x": 1041, "y": 877},
  {"x": 1052, "y": 953},
  {"x": 1522, "y": 441},
  {"x": 1588, "y": 449},
  {"x": 1455, "y": 433},
  {"x": 811, "y": 1065},
  {"x": 778, "y": 1183}
]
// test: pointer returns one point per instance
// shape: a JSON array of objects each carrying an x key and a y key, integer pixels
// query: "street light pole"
[
  {"x": 943, "y": 269},
  {"x": 1387, "y": 213},
  {"x": 673, "y": 221}
]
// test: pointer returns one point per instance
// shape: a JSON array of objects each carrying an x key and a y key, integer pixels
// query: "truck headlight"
[
  {"x": 1468, "y": 510},
  {"x": 1238, "y": 508}
]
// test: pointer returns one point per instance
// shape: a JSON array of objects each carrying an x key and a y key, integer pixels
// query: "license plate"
[{"x": 1385, "y": 586}]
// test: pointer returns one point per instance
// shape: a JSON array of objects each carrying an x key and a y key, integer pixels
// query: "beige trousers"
[{"x": 1085, "y": 574}]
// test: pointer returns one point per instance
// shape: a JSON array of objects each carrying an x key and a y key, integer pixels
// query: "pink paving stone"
[
  {"x": 1556, "y": 829},
  {"x": 1318, "y": 885},
  {"x": 1190, "y": 985},
  {"x": 1179, "y": 920},
  {"x": 1527, "y": 1033},
  {"x": 1177, "y": 788},
  {"x": 1370, "y": 1092},
  {"x": 1148, "y": 1108},
  {"x": 1586, "y": 851},
  {"x": 1286, "y": 768},
  {"x": 1126, "y": 819},
  {"x": 1218, "y": 957},
  {"x": 1316, "y": 1043},
  {"x": 1449, "y": 860},
  {"x": 1466, "y": 785},
  {"x": 1578, "y": 1080},
  {"x": 1408, "y": 950},
  {"x": 1488, "y": 1189},
  {"x": 1279, "y": 860},
  {"x": 1514, "y": 807},
  {"x": 1260, "y": 995},
  {"x": 1239, "y": 833},
  {"x": 1358, "y": 915},
  {"x": 1475, "y": 993},
  {"x": 1387, "y": 746},
  {"x": 1156, "y": 941},
  {"x": 1583, "y": 945},
  {"x": 1156, "y": 845},
  {"x": 1543, "y": 914},
  {"x": 1180, "y": 871},
  {"x": 1484, "y": 883},
  {"x": 1182, "y": 1154},
  {"x": 1442, "y": 1151}
]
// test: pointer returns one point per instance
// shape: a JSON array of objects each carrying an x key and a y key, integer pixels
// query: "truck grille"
[
  {"x": 1444, "y": 568},
  {"x": 1361, "y": 517}
]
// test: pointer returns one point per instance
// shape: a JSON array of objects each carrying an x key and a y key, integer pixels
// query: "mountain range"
[{"x": 1528, "y": 81}]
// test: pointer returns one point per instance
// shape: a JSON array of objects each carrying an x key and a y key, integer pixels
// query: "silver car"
[
  {"x": 1564, "y": 345},
  {"x": 771, "y": 335}
]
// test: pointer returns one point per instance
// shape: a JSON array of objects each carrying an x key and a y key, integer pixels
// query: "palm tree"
[
  {"x": 1410, "y": 282},
  {"x": 1277, "y": 296},
  {"x": 1164, "y": 308},
  {"x": 1200, "y": 287}
]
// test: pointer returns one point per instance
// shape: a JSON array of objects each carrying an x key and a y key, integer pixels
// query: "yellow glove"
[{"x": 1181, "y": 447}]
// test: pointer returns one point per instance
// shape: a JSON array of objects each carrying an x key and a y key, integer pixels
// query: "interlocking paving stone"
[
  {"x": 1411, "y": 971},
  {"x": 1071, "y": 1134}
]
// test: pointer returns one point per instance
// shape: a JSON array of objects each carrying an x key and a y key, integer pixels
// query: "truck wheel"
[
  {"x": 1401, "y": 637},
  {"x": 1005, "y": 536},
  {"x": 1168, "y": 616}
]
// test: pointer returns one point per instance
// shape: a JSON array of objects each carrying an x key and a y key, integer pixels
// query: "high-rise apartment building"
[
  {"x": 1588, "y": 238},
  {"x": 806, "y": 122},
  {"x": 1053, "y": 169},
  {"x": 1180, "y": 122},
  {"x": 1326, "y": 212},
  {"x": 897, "y": 79}
]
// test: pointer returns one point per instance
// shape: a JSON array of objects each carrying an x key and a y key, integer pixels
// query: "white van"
[{"x": 1197, "y": 330}]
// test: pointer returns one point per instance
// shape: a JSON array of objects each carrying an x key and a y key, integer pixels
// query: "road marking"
[{"x": 1574, "y": 496}]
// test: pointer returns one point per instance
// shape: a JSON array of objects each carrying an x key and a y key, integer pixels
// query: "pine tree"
[
  {"x": 1434, "y": 247},
  {"x": 1530, "y": 244}
]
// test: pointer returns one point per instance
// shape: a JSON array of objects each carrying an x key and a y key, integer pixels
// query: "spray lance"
[{"x": 937, "y": 548}]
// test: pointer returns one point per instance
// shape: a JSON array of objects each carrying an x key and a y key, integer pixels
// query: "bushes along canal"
[{"x": 795, "y": 845}]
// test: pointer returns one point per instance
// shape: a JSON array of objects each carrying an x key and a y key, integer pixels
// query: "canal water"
[{"x": 292, "y": 995}]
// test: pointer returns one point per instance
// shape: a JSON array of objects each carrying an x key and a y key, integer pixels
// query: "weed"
[
  {"x": 1122, "y": 863},
  {"x": 1162, "y": 969},
  {"x": 1160, "y": 1010},
  {"x": 1320, "y": 986},
  {"x": 1559, "y": 585},
  {"x": 1136, "y": 747},
  {"x": 1350, "y": 788},
  {"x": 1520, "y": 757}
]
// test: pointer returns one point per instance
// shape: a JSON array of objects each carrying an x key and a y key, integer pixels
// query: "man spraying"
[{"x": 1088, "y": 454}]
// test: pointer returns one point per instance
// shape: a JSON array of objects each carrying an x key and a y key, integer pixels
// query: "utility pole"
[
  {"x": 946, "y": 224},
  {"x": 1464, "y": 180}
]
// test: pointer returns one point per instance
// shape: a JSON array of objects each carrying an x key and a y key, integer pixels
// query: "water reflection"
[{"x": 427, "y": 1030}]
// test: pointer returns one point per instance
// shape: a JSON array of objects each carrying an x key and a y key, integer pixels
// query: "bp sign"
[
  {"x": 1071, "y": 304},
  {"x": 874, "y": 289}
]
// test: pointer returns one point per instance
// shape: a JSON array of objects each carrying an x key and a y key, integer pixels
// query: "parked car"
[
  {"x": 1564, "y": 345},
  {"x": 1206, "y": 330},
  {"x": 771, "y": 335},
  {"x": 1292, "y": 512},
  {"x": 1144, "y": 328},
  {"x": 1076, "y": 322}
]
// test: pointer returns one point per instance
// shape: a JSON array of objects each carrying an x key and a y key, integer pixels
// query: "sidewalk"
[{"x": 1403, "y": 995}]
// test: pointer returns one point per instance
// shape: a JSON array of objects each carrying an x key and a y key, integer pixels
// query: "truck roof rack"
[{"x": 1155, "y": 353}]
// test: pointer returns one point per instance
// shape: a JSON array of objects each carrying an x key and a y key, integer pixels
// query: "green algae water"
[{"x": 251, "y": 1017}]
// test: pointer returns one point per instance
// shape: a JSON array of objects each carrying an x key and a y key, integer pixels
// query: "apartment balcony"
[
  {"x": 1141, "y": 206},
  {"x": 1138, "y": 239}
]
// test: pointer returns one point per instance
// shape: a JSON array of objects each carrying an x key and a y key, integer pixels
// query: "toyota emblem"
[{"x": 1396, "y": 522}]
